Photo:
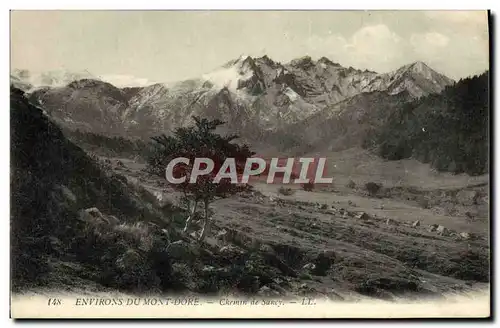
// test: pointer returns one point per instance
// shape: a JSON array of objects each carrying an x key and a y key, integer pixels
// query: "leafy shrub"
[{"x": 373, "y": 188}]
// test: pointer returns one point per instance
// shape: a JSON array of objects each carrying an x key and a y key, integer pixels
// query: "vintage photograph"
[{"x": 241, "y": 164}]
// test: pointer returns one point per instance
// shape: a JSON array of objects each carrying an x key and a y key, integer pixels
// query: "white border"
[{"x": 179, "y": 5}]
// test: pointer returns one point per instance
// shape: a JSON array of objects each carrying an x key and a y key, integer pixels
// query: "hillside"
[
  {"x": 449, "y": 130},
  {"x": 63, "y": 207}
]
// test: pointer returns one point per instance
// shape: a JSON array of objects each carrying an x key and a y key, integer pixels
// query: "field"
[{"x": 423, "y": 234}]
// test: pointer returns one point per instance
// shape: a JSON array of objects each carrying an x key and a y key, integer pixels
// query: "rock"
[
  {"x": 119, "y": 163},
  {"x": 113, "y": 220},
  {"x": 432, "y": 227},
  {"x": 208, "y": 268},
  {"x": 416, "y": 224},
  {"x": 324, "y": 206},
  {"x": 266, "y": 291},
  {"x": 362, "y": 216},
  {"x": 442, "y": 231},
  {"x": 389, "y": 221},
  {"x": 309, "y": 266},
  {"x": 465, "y": 235},
  {"x": 129, "y": 260},
  {"x": 323, "y": 262},
  {"x": 92, "y": 216},
  {"x": 350, "y": 203}
]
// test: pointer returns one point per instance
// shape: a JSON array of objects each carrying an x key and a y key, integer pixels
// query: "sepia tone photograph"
[{"x": 249, "y": 164}]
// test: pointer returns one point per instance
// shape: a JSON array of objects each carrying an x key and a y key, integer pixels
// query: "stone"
[
  {"x": 465, "y": 235},
  {"x": 389, "y": 221},
  {"x": 309, "y": 266},
  {"x": 442, "y": 231},
  {"x": 416, "y": 224},
  {"x": 432, "y": 228},
  {"x": 467, "y": 197},
  {"x": 362, "y": 216}
]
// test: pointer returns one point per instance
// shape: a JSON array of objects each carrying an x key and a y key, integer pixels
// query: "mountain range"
[{"x": 295, "y": 105}]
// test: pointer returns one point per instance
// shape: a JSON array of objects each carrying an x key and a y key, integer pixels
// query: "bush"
[
  {"x": 286, "y": 191},
  {"x": 373, "y": 188}
]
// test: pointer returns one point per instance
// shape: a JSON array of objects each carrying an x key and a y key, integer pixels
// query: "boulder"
[
  {"x": 432, "y": 228},
  {"x": 362, "y": 216},
  {"x": 389, "y": 221},
  {"x": 465, "y": 235},
  {"x": 92, "y": 216},
  {"x": 442, "y": 231},
  {"x": 416, "y": 224}
]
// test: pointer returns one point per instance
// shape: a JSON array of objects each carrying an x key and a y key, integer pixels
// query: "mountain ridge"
[{"x": 255, "y": 95}]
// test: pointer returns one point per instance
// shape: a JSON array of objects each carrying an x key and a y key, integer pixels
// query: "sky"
[{"x": 139, "y": 47}]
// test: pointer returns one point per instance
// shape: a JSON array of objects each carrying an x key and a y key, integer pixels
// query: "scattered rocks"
[{"x": 416, "y": 224}]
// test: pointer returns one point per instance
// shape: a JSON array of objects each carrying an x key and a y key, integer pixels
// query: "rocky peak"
[{"x": 305, "y": 62}]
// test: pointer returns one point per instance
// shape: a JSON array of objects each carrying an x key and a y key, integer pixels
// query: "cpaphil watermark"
[{"x": 302, "y": 170}]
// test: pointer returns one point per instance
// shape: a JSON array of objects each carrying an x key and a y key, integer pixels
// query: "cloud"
[
  {"x": 431, "y": 39},
  {"x": 373, "y": 46},
  {"x": 478, "y": 17}
]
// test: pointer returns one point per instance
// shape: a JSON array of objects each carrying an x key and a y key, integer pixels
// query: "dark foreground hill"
[{"x": 70, "y": 219}]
